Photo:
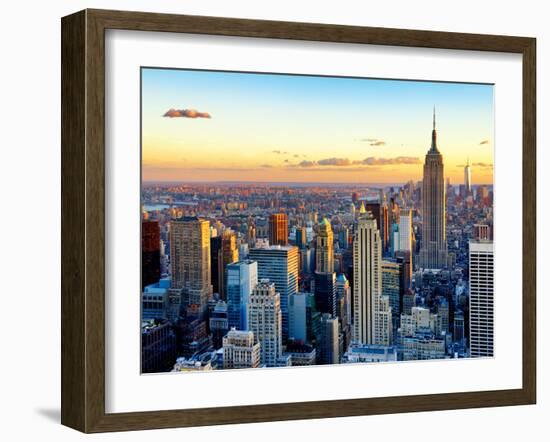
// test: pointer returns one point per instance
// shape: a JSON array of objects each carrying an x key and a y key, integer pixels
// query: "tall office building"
[
  {"x": 468, "y": 178},
  {"x": 297, "y": 319},
  {"x": 265, "y": 321},
  {"x": 278, "y": 229},
  {"x": 343, "y": 293},
  {"x": 433, "y": 254},
  {"x": 190, "y": 259},
  {"x": 384, "y": 226},
  {"x": 329, "y": 349},
  {"x": 392, "y": 287},
  {"x": 240, "y": 350},
  {"x": 150, "y": 253},
  {"x": 279, "y": 264},
  {"x": 218, "y": 323},
  {"x": 383, "y": 332},
  {"x": 404, "y": 241},
  {"x": 324, "y": 250},
  {"x": 242, "y": 278},
  {"x": 304, "y": 319},
  {"x": 367, "y": 279},
  {"x": 216, "y": 271},
  {"x": 229, "y": 254},
  {"x": 301, "y": 237},
  {"x": 374, "y": 207},
  {"x": 481, "y": 264},
  {"x": 325, "y": 292}
]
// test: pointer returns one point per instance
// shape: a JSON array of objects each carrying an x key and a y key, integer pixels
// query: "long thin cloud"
[{"x": 186, "y": 113}]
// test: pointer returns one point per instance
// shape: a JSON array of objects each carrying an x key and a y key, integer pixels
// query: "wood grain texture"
[
  {"x": 73, "y": 213},
  {"x": 83, "y": 219}
]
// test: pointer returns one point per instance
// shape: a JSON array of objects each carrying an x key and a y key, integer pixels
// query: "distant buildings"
[
  {"x": 468, "y": 178},
  {"x": 279, "y": 264},
  {"x": 240, "y": 350},
  {"x": 433, "y": 254},
  {"x": 265, "y": 321},
  {"x": 278, "y": 229},
  {"x": 481, "y": 265}
]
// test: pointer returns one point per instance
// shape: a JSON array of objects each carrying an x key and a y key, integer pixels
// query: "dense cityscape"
[{"x": 257, "y": 274}]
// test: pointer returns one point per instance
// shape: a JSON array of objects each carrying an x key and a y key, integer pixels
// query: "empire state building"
[{"x": 433, "y": 253}]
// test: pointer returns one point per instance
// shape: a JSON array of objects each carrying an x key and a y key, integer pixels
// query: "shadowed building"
[{"x": 150, "y": 253}]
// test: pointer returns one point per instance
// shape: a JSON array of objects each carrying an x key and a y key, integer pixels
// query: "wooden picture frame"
[{"x": 83, "y": 220}]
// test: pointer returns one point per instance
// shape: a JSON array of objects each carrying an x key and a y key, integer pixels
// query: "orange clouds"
[{"x": 186, "y": 113}]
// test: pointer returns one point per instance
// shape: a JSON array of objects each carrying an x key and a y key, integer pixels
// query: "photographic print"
[{"x": 299, "y": 220}]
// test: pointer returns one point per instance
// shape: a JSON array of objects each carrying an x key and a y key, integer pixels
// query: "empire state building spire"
[{"x": 434, "y": 136}]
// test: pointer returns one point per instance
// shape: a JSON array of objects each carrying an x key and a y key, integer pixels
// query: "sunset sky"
[{"x": 221, "y": 126}]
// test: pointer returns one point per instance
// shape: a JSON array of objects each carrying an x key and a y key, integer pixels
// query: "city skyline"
[
  {"x": 277, "y": 128},
  {"x": 238, "y": 275}
]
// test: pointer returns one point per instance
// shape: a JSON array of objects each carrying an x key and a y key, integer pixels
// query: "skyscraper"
[
  {"x": 325, "y": 292},
  {"x": 301, "y": 237},
  {"x": 481, "y": 264},
  {"x": 324, "y": 251},
  {"x": 150, "y": 253},
  {"x": 279, "y": 264},
  {"x": 468, "y": 178},
  {"x": 329, "y": 351},
  {"x": 297, "y": 316},
  {"x": 190, "y": 259},
  {"x": 384, "y": 226},
  {"x": 216, "y": 263},
  {"x": 404, "y": 242},
  {"x": 265, "y": 321},
  {"x": 242, "y": 278},
  {"x": 229, "y": 254},
  {"x": 433, "y": 254},
  {"x": 278, "y": 229},
  {"x": 392, "y": 287},
  {"x": 367, "y": 276}
]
